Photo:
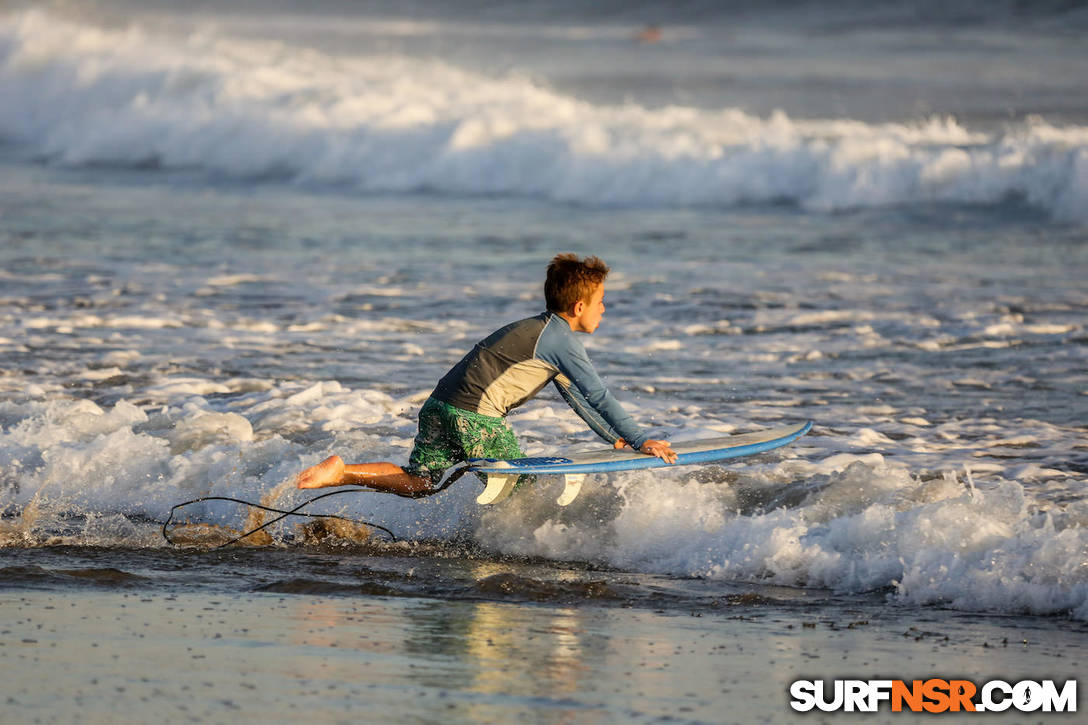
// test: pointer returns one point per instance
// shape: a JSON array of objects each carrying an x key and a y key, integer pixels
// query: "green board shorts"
[{"x": 449, "y": 435}]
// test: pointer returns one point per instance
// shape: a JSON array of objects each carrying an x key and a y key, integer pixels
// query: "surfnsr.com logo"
[{"x": 934, "y": 695}]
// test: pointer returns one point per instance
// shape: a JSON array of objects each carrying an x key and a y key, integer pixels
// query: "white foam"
[
  {"x": 183, "y": 386},
  {"x": 81, "y": 320},
  {"x": 239, "y": 108},
  {"x": 868, "y": 526},
  {"x": 847, "y": 519},
  {"x": 201, "y": 428},
  {"x": 100, "y": 373},
  {"x": 66, "y": 457},
  {"x": 231, "y": 280}
]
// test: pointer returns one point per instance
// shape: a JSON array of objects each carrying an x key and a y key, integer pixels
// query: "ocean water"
[{"x": 236, "y": 239}]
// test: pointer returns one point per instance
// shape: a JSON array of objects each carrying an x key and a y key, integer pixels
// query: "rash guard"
[{"x": 513, "y": 364}]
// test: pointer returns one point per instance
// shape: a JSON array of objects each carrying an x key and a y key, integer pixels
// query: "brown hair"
[{"x": 571, "y": 279}]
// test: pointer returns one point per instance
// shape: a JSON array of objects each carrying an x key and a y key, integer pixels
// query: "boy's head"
[
  {"x": 571, "y": 280},
  {"x": 574, "y": 289}
]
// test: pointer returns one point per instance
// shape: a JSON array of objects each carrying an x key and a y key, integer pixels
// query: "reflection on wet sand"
[
  {"x": 552, "y": 653},
  {"x": 338, "y": 658}
]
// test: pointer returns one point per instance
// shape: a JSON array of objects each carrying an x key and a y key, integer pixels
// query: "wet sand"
[{"x": 93, "y": 656}]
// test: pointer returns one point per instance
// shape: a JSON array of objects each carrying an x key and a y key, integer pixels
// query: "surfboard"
[{"x": 503, "y": 474}]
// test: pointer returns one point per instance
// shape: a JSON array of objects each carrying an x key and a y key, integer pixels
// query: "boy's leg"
[
  {"x": 381, "y": 476},
  {"x": 446, "y": 437},
  {"x": 385, "y": 477},
  {"x": 429, "y": 458},
  {"x": 486, "y": 437},
  {"x": 327, "y": 473}
]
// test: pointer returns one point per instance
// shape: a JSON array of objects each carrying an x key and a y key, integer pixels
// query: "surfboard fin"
[
  {"x": 499, "y": 486},
  {"x": 572, "y": 486}
]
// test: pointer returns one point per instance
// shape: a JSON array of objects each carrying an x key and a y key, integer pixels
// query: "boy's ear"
[{"x": 578, "y": 308}]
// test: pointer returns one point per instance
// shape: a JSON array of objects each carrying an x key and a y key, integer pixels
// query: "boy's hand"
[{"x": 661, "y": 449}]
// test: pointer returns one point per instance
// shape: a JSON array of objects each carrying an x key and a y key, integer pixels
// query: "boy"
[{"x": 465, "y": 415}]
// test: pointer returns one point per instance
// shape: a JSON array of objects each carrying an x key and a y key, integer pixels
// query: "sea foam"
[
  {"x": 811, "y": 516},
  {"x": 866, "y": 525},
  {"x": 239, "y": 108}
]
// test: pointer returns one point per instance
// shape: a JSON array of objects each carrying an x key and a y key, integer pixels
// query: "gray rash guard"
[{"x": 514, "y": 363}]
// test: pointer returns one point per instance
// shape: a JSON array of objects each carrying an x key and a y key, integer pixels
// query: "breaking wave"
[
  {"x": 82, "y": 474},
  {"x": 236, "y": 108}
]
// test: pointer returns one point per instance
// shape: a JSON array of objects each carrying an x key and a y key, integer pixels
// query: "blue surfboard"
[{"x": 502, "y": 475}]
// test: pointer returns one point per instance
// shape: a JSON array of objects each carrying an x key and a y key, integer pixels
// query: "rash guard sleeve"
[
  {"x": 586, "y": 393},
  {"x": 579, "y": 405}
]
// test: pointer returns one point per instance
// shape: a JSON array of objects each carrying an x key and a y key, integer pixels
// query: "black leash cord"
[
  {"x": 283, "y": 514},
  {"x": 457, "y": 473}
]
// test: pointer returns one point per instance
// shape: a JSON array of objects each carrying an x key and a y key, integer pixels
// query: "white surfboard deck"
[{"x": 502, "y": 475}]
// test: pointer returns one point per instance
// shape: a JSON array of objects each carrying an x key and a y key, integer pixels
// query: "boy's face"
[{"x": 591, "y": 312}]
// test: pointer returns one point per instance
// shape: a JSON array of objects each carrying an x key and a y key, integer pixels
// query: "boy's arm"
[
  {"x": 608, "y": 417},
  {"x": 579, "y": 405},
  {"x": 598, "y": 425},
  {"x": 578, "y": 369}
]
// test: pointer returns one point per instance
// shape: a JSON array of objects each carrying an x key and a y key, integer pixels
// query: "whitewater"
[
  {"x": 245, "y": 108},
  {"x": 230, "y": 250}
]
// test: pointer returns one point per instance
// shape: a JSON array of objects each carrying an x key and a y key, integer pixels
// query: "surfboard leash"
[{"x": 451, "y": 476}]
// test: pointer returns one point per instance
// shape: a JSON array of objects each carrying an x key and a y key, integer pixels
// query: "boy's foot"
[{"x": 327, "y": 473}]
